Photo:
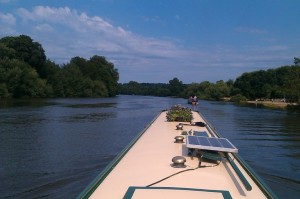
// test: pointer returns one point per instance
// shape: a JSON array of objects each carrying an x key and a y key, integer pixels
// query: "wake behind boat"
[{"x": 178, "y": 160}]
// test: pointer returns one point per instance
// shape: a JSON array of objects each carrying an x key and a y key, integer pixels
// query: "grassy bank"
[{"x": 270, "y": 104}]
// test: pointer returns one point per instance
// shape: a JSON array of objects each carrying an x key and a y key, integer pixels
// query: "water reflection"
[
  {"x": 12, "y": 103},
  {"x": 97, "y": 105},
  {"x": 91, "y": 117}
]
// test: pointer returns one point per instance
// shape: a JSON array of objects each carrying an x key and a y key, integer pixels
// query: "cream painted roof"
[{"x": 150, "y": 159}]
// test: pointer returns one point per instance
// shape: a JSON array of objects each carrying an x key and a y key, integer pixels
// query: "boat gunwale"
[
  {"x": 253, "y": 175},
  {"x": 88, "y": 191}
]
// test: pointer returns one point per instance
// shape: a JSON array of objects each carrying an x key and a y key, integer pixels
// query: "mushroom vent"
[
  {"x": 178, "y": 162},
  {"x": 179, "y": 126},
  {"x": 179, "y": 139}
]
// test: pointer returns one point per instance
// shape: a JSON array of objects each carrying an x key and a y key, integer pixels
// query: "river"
[{"x": 53, "y": 148}]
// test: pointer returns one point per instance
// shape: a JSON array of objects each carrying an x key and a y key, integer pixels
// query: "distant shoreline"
[{"x": 272, "y": 104}]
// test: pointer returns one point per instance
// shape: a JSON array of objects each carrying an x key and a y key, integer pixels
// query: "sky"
[{"x": 154, "y": 41}]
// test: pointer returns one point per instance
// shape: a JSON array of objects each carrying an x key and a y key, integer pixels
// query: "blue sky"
[{"x": 156, "y": 40}]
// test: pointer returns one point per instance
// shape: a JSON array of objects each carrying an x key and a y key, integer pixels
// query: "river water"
[{"x": 54, "y": 148}]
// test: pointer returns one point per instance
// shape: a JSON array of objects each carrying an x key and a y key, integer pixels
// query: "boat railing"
[{"x": 239, "y": 173}]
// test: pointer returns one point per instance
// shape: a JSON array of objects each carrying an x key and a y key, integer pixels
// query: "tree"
[
  {"x": 135, "y": 88},
  {"x": 90, "y": 78},
  {"x": 192, "y": 89},
  {"x": 26, "y": 72},
  {"x": 55, "y": 79},
  {"x": 296, "y": 60},
  {"x": 292, "y": 84},
  {"x": 176, "y": 86},
  {"x": 3, "y": 91},
  {"x": 252, "y": 85},
  {"x": 73, "y": 81},
  {"x": 6, "y": 52},
  {"x": 197, "y": 89},
  {"x": 282, "y": 82},
  {"x": 98, "y": 69},
  {"x": 106, "y": 73},
  {"x": 25, "y": 49},
  {"x": 100, "y": 89},
  {"x": 18, "y": 80},
  {"x": 216, "y": 91}
]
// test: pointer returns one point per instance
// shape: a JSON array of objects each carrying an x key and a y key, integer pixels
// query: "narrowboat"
[{"x": 178, "y": 159}]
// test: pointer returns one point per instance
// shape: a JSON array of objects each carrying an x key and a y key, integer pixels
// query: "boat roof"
[{"x": 145, "y": 169}]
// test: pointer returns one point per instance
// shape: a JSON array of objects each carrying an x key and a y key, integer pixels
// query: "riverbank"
[{"x": 272, "y": 104}]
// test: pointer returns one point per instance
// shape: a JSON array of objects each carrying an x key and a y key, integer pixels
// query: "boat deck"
[{"x": 149, "y": 160}]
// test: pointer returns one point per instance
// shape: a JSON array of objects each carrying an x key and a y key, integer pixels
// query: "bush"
[
  {"x": 179, "y": 114},
  {"x": 238, "y": 98}
]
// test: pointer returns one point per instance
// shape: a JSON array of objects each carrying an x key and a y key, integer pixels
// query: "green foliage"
[
  {"x": 18, "y": 80},
  {"x": 3, "y": 91},
  {"x": 238, "y": 98},
  {"x": 54, "y": 77},
  {"x": 208, "y": 91},
  {"x": 104, "y": 71},
  {"x": 291, "y": 84},
  {"x": 175, "y": 86},
  {"x": 23, "y": 48},
  {"x": 153, "y": 89},
  {"x": 282, "y": 82},
  {"x": 25, "y": 72},
  {"x": 180, "y": 114},
  {"x": 296, "y": 60},
  {"x": 217, "y": 91},
  {"x": 100, "y": 89},
  {"x": 90, "y": 78}
]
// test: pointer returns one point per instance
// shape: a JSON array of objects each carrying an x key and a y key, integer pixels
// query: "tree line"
[
  {"x": 25, "y": 72},
  {"x": 278, "y": 83},
  {"x": 282, "y": 82},
  {"x": 175, "y": 88}
]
